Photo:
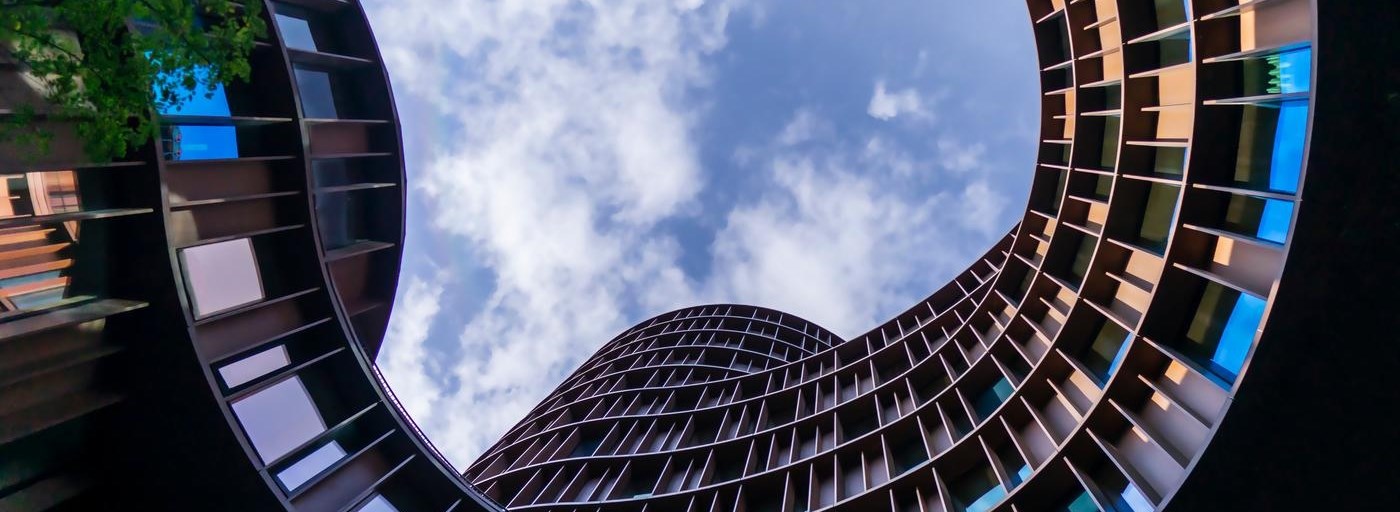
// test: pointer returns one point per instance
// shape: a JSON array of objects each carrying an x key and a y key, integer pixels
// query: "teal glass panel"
[
  {"x": 1080, "y": 502},
  {"x": 992, "y": 397}
]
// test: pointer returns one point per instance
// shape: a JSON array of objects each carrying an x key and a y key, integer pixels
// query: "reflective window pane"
[
  {"x": 315, "y": 462},
  {"x": 296, "y": 32},
  {"x": 249, "y": 368},
  {"x": 279, "y": 418},
  {"x": 221, "y": 276},
  {"x": 317, "y": 98}
]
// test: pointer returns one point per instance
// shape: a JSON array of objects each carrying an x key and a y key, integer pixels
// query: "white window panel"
[
  {"x": 378, "y": 504},
  {"x": 279, "y": 418},
  {"x": 249, "y": 368},
  {"x": 221, "y": 276},
  {"x": 315, "y": 462}
]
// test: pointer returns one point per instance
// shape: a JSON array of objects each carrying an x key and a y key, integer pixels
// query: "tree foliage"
[{"x": 108, "y": 65}]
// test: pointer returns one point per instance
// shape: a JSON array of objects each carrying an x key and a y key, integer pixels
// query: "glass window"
[
  {"x": 1157, "y": 213},
  {"x": 992, "y": 397},
  {"x": 200, "y": 104},
  {"x": 1267, "y": 219},
  {"x": 221, "y": 276},
  {"x": 1122, "y": 495},
  {"x": 317, "y": 98},
  {"x": 1078, "y": 502},
  {"x": 1106, "y": 352},
  {"x": 296, "y": 32},
  {"x": 309, "y": 466},
  {"x": 978, "y": 490},
  {"x": 279, "y": 418},
  {"x": 1017, "y": 469},
  {"x": 1222, "y": 330},
  {"x": 192, "y": 142},
  {"x": 378, "y": 504},
  {"x": 262, "y": 363}
]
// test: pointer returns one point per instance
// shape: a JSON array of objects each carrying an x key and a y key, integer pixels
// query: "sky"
[{"x": 576, "y": 167}]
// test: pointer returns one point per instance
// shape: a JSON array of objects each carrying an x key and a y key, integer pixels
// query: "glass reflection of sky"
[
  {"x": 1238, "y": 334},
  {"x": 192, "y": 142},
  {"x": 1289, "y": 138},
  {"x": 1294, "y": 70},
  {"x": 1273, "y": 223},
  {"x": 985, "y": 502}
]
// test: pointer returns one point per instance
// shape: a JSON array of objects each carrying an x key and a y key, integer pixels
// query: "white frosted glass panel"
[
  {"x": 254, "y": 366},
  {"x": 378, "y": 504},
  {"x": 279, "y": 418},
  {"x": 310, "y": 465},
  {"x": 222, "y": 276}
]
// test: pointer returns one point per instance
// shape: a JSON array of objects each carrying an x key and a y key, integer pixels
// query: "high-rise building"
[{"x": 1194, "y": 313}]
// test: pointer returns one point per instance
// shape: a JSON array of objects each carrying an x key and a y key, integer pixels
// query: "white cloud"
[
  {"x": 804, "y": 126},
  {"x": 960, "y": 157},
  {"x": 886, "y": 105},
  {"x": 404, "y": 359},
  {"x": 570, "y": 141},
  {"x": 983, "y": 208},
  {"x": 567, "y": 145}
]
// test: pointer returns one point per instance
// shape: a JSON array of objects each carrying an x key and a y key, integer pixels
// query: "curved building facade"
[
  {"x": 1085, "y": 362},
  {"x": 1186, "y": 316},
  {"x": 194, "y": 327}
]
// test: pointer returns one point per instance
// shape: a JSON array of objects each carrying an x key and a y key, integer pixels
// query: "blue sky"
[{"x": 576, "y": 167}]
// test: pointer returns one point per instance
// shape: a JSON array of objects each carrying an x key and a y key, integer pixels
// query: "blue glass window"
[
  {"x": 1291, "y": 70},
  {"x": 1079, "y": 502},
  {"x": 978, "y": 490},
  {"x": 1290, "y": 136},
  {"x": 189, "y": 142},
  {"x": 992, "y": 397},
  {"x": 1222, "y": 331},
  {"x": 1106, "y": 352},
  {"x": 38, "y": 299},
  {"x": 1267, "y": 219},
  {"x": 296, "y": 32}
]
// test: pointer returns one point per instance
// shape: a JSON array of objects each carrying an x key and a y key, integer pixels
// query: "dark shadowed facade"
[{"x": 1192, "y": 314}]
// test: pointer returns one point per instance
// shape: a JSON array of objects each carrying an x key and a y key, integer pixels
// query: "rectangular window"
[
  {"x": 296, "y": 32},
  {"x": 1078, "y": 501},
  {"x": 317, "y": 95},
  {"x": 250, "y": 368},
  {"x": 1270, "y": 155},
  {"x": 1267, "y": 219},
  {"x": 1122, "y": 495},
  {"x": 279, "y": 418},
  {"x": 378, "y": 504},
  {"x": 989, "y": 399},
  {"x": 1082, "y": 255},
  {"x": 1222, "y": 330},
  {"x": 1156, "y": 222},
  {"x": 221, "y": 276},
  {"x": 309, "y": 466},
  {"x": 1106, "y": 352},
  {"x": 193, "y": 142},
  {"x": 1016, "y": 467},
  {"x": 978, "y": 490}
]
